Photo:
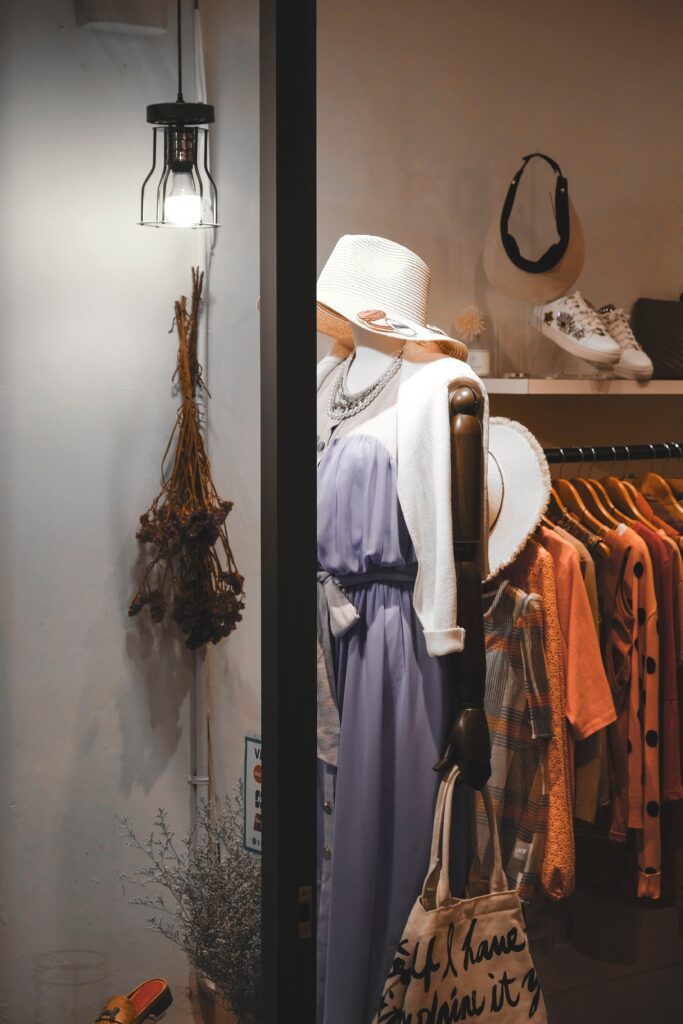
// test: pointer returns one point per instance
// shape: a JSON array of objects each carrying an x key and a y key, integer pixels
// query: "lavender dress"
[{"x": 377, "y": 803}]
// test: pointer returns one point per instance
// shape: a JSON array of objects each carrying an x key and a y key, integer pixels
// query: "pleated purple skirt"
[{"x": 376, "y": 806}]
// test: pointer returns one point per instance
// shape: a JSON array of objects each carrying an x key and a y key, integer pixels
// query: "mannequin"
[
  {"x": 395, "y": 468},
  {"x": 467, "y": 743},
  {"x": 373, "y": 354}
]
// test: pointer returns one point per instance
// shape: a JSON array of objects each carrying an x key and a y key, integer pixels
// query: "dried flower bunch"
[
  {"x": 206, "y": 898},
  {"x": 193, "y": 570},
  {"x": 470, "y": 323}
]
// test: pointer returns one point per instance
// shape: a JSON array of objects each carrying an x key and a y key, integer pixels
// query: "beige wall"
[{"x": 427, "y": 106}]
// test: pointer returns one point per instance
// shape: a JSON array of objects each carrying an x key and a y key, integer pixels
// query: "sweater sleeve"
[{"x": 424, "y": 490}]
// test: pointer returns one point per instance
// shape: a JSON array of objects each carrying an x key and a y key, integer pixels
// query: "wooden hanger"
[
  {"x": 575, "y": 503},
  {"x": 635, "y": 493},
  {"x": 623, "y": 504},
  {"x": 623, "y": 499},
  {"x": 676, "y": 482},
  {"x": 594, "y": 501},
  {"x": 664, "y": 483},
  {"x": 597, "y": 499},
  {"x": 606, "y": 497},
  {"x": 556, "y": 508},
  {"x": 653, "y": 522},
  {"x": 606, "y": 501},
  {"x": 561, "y": 516},
  {"x": 595, "y": 544}
]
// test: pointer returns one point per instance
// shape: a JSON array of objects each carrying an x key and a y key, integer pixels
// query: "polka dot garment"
[
  {"x": 644, "y": 726},
  {"x": 671, "y": 784}
]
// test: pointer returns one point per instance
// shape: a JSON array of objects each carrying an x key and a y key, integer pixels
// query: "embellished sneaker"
[
  {"x": 575, "y": 326},
  {"x": 634, "y": 364}
]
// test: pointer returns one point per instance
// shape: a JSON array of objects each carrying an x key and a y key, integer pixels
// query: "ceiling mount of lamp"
[{"x": 179, "y": 190}]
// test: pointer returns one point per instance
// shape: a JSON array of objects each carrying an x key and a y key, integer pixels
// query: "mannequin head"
[{"x": 390, "y": 346}]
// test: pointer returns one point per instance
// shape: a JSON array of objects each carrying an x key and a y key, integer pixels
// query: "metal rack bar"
[{"x": 615, "y": 452}]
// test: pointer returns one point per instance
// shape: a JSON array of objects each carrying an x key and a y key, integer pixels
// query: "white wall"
[
  {"x": 94, "y": 717},
  {"x": 426, "y": 108},
  {"x": 232, "y": 68}
]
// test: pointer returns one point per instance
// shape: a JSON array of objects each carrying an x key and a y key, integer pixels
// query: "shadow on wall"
[
  {"x": 132, "y": 723},
  {"x": 65, "y": 980},
  {"x": 162, "y": 675}
]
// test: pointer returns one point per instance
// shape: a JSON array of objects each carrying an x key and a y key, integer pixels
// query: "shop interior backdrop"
[
  {"x": 426, "y": 108},
  {"x": 94, "y": 715}
]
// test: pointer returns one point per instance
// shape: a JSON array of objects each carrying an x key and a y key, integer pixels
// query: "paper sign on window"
[{"x": 252, "y": 794}]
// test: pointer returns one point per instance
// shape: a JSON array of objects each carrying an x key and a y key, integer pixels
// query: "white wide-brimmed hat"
[
  {"x": 556, "y": 272},
  {"x": 382, "y": 287},
  {"x": 518, "y": 481}
]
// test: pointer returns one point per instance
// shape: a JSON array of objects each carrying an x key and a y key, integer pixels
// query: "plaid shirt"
[{"x": 518, "y": 711}]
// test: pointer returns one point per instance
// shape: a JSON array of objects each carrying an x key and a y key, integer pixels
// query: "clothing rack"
[{"x": 615, "y": 452}]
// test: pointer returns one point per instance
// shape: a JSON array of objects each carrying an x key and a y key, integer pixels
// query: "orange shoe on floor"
[
  {"x": 119, "y": 1010},
  {"x": 149, "y": 1001}
]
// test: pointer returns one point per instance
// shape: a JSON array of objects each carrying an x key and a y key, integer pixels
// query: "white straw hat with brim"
[
  {"x": 537, "y": 286},
  {"x": 518, "y": 483},
  {"x": 382, "y": 287}
]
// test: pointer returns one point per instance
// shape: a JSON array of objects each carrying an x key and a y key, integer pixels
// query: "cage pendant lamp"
[{"x": 179, "y": 190}]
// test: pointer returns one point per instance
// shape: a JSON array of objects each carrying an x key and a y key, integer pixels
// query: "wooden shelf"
[{"x": 583, "y": 386}]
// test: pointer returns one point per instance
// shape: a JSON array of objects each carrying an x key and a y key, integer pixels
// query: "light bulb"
[{"x": 183, "y": 207}]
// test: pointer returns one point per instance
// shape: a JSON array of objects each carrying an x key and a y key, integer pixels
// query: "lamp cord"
[{"x": 180, "y": 56}]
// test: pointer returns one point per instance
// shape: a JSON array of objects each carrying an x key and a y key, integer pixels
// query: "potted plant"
[{"x": 204, "y": 894}]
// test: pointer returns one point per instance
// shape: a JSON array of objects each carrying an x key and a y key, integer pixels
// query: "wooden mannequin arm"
[{"x": 468, "y": 744}]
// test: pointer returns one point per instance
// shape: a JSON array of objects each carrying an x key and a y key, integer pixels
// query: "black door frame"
[{"x": 288, "y": 508}]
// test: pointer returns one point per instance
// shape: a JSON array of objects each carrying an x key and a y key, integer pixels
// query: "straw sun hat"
[
  {"x": 518, "y": 484},
  {"x": 382, "y": 287},
  {"x": 558, "y": 269}
]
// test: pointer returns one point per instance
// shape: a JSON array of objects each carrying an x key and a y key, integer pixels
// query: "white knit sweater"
[{"x": 424, "y": 490}]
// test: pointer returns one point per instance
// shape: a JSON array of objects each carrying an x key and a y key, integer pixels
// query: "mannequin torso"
[
  {"x": 373, "y": 354},
  {"x": 468, "y": 741}
]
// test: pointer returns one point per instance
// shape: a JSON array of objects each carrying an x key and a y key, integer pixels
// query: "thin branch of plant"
[
  {"x": 205, "y": 896},
  {"x": 192, "y": 569}
]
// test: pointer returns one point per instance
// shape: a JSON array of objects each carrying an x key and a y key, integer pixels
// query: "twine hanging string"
[{"x": 192, "y": 570}]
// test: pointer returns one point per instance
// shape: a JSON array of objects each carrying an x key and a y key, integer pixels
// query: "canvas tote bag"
[{"x": 463, "y": 959}]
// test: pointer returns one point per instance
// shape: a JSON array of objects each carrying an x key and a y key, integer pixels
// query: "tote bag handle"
[
  {"x": 431, "y": 881},
  {"x": 474, "y": 879},
  {"x": 436, "y": 889}
]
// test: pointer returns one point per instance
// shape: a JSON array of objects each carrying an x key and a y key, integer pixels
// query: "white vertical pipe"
[{"x": 204, "y": 245}]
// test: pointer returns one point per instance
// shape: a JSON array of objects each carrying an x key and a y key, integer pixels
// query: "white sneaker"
[
  {"x": 576, "y": 327},
  {"x": 634, "y": 364}
]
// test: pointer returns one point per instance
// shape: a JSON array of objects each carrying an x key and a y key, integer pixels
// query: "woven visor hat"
[
  {"x": 555, "y": 272},
  {"x": 382, "y": 287},
  {"x": 518, "y": 486}
]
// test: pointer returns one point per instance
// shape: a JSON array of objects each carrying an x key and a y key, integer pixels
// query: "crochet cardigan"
[{"x": 424, "y": 490}]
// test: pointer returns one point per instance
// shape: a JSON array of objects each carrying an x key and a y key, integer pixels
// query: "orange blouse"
[{"x": 533, "y": 571}]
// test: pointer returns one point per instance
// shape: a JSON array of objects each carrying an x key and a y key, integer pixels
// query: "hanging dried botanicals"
[{"x": 193, "y": 571}]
